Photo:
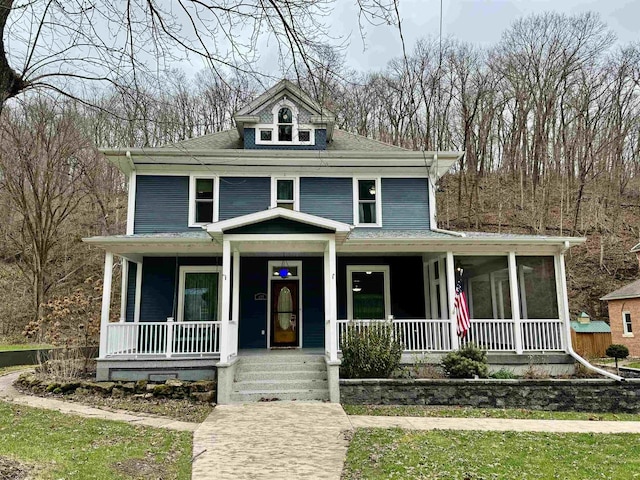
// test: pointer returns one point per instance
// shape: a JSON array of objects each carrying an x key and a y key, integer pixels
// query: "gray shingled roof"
[
  {"x": 230, "y": 140},
  {"x": 377, "y": 233},
  {"x": 631, "y": 290}
]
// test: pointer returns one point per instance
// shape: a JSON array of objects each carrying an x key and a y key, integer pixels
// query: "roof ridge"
[{"x": 357, "y": 136}]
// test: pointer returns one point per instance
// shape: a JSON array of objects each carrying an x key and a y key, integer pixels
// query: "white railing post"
[
  {"x": 226, "y": 287},
  {"x": 169, "y": 338},
  {"x": 515, "y": 302},
  {"x": 106, "y": 303},
  {"x": 451, "y": 294}
]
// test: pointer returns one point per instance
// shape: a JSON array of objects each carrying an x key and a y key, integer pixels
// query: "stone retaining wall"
[{"x": 561, "y": 395}]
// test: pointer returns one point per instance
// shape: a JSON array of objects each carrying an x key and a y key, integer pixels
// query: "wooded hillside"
[{"x": 549, "y": 119}]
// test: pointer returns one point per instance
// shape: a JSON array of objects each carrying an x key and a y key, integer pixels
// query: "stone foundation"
[{"x": 557, "y": 395}]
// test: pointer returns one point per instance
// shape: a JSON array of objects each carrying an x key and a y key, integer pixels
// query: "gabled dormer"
[{"x": 285, "y": 118}]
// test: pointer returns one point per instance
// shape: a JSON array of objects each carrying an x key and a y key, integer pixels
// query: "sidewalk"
[
  {"x": 273, "y": 440},
  {"x": 494, "y": 424},
  {"x": 10, "y": 394}
]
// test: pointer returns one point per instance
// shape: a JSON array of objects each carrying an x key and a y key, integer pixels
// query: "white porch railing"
[
  {"x": 163, "y": 338},
  {"x": 491, "y": 335}
]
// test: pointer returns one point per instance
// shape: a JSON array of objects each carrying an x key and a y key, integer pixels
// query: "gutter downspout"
[{"x": 570, "y": 350}]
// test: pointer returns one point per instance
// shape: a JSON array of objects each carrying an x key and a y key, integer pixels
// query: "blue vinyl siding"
[
  {"x": 327, "y": 197},
  {"x": 406, "y": 284},
  {"x": 250, "y": 142},
  {"x": 312, "y": 302},
  {"x": 131, "y": 292},
  {"x": 243, "y": 195},
  {"x": 405, "y": 203},
  {"x": 162, "y": 204},
  {"x": 160, "y": 285}
]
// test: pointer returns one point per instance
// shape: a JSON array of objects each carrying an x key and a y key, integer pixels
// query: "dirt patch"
[
  {"x": 11, "y": 469},
  {"x": 141, "y": 468}
]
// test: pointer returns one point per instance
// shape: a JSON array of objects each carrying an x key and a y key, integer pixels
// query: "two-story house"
[{"x": 264, "y": 242}]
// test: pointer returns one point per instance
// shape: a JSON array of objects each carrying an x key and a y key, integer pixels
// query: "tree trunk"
[{"x": 10, "y": 82}]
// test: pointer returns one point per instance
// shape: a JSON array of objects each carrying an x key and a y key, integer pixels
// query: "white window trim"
[
  {"x": 356, "y": 202},
  {"x": 296, "y": 191},
  {"x": 192, "y": 198},
  {"x": 197, "y": 269},
  {"x": 276, "y": 263},
  {"x": 626, "y": 333},
  {"x": 363, "y": 269},
  {"x": 274, "y": 127}
]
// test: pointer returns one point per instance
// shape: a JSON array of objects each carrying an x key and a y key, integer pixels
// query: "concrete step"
[
  {"x": 277, "y": 375},
  {"x": 300, "y": 395},
  {"x": 282, "y": 358},
  {"x": 282, "y": 367},
  {"x": 279, "y": 385}
]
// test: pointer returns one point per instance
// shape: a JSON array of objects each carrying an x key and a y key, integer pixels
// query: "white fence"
[
  {"x": 163, "y": 338},
  {"x": 491, "y": 335}
]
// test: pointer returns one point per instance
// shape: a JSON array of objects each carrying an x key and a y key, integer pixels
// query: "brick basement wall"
[{"x": 557, "y": 395}]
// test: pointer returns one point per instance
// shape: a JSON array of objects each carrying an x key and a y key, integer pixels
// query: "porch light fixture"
[
  {"x": 372, "y": 189},
  {"x": 368, "y": 273},
  {"x": 356, "y": 286},
  {"x": 284, "y": 272}
]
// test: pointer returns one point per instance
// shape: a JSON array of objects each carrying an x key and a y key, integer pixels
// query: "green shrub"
[
  {"x": 503, "y": 374},
  {"x": 617, "y": 351},
  {"x": 371, "y": 352},
  {"x": 468, "y": 362}
]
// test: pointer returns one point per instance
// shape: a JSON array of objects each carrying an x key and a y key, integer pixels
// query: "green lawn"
[
  {"x": 395, "y": 453},
  {"x": 633, "y": 365},
  {"x": 60, "y": 446},
  {"x": 22, "y": 346},
  {"x": 469, "y": 412}
]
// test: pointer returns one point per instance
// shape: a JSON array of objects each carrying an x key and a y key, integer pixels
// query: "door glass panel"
[
  {"x": 200, "y": 297},
  {"x": 368, "y": 301},
  {"x": 285, "y": 308}
]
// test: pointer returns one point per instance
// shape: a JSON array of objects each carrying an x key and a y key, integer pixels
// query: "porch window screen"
[
  {"x": 284, "y": 194},
  {"x": 367, "y": 201},
  {"x": 204, "y": 200},
  {"x": 368, "y": 296},
  {"x": 486, "y": 284},
  {"x": 537, "y": 282},
  {"x": 201, "y": 297}
]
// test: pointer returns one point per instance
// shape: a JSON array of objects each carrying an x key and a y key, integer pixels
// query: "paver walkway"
[
  {"x": 495, "y": 424},
  {"x": 10, "y": 394},
  {"x": 274, "y": 440}
]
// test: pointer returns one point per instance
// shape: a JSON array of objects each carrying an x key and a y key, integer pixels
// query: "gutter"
[{"x": 570, "y": 349}]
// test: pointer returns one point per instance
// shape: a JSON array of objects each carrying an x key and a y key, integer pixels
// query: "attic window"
[
  {"x": 304, "y": 135},
  {"x": 266, "y": 135},
  {"x": 285, "y": 125}
]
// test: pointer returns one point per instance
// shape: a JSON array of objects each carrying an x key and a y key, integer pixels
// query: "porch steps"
[{"x": 286, "y": 376}]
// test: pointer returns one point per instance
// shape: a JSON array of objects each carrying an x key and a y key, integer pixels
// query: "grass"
[
  {"x": 65, "y": 446},
  {"x": 22, "y": 346},
  {"x": 469, "y": 412},
  {"x": 14, "y": 368},
  {"x": 394, "y": 453},
  {"x": 633, "y": 365}
]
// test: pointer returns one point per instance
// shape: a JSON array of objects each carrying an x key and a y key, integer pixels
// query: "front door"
[{"x": 284, "y": 313}]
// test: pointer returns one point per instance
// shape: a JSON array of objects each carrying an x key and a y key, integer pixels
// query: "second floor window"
[
  {"x": 285, "y": 125},
  {"x": 367, "y": 196},
  {"x": 284, "y": 193},
  {"x": 204, "y": 188}
]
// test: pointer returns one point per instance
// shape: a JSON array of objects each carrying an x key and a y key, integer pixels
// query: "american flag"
[{"x": 461, "y": 310}]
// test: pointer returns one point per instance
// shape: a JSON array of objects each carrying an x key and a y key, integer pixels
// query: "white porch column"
[
  {"x": 106, "y": 302},
  {"x": 123, "y": 291},
  {"x": 563, "y": 299},
  {"x": 225, "y": 343},
  {"x": 235, "y": 304},
  {"x": 330, "y": 301},
  {"x": 515, "y": 302},
  {"x": 451, "y": 294},
  {"x": 136, "y": 310}
]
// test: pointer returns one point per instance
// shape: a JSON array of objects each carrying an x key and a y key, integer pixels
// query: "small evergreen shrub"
[
  {"x": 370, "y": 352},
  {"x": 617, "y": 351},
  {"x": 468, "y": 362},
  {"x": 503, "y": 374}
]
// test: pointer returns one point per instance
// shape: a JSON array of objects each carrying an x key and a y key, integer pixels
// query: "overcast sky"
[{"x": 476, "y": 21}]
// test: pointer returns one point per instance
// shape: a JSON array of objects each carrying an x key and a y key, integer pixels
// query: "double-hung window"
[
  {"x": 367, "y": 211},
  {"x": 626, "y": 323},
  {"x": 202, "y": 201},
  {"x": 284, "y": 193}
]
